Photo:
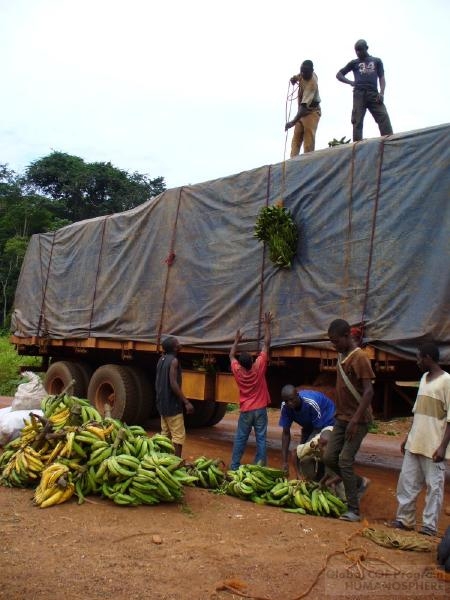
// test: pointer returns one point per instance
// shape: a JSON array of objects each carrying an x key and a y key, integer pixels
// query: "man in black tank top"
[{"x": 169, "y": 396}]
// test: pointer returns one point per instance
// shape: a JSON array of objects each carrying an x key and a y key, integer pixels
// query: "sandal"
[
  {"x": 396, "y": 524},
  {"x": 427, "y": 531},
  {"x": 350, "y": 516}
]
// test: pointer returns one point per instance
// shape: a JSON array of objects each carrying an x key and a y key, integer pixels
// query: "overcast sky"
[{"x": 192, "y": 90}]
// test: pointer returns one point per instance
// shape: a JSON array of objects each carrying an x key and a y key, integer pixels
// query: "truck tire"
[
  {"x": 60, "y": 374},
  {"x": 146, "y": 395},
  {"x": 115, "y": 385},
  {"x": 204, "y": 410},
  {"x": 86, "y": 373},
  {"x": 219, "y": 412}
]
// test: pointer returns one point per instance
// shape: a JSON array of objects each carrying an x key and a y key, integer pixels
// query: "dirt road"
[{"x": 184, "y": 552}]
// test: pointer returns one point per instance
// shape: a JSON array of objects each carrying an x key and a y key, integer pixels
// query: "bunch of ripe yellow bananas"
[
  {"x": 22, "y": 467},
  {"x": 54, "y": 487}
]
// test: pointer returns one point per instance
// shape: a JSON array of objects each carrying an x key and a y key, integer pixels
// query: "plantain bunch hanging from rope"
[{"x": 276, "y": 227}]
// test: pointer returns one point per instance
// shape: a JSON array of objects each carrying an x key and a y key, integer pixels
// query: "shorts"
[{"x": 173, "y": 428}]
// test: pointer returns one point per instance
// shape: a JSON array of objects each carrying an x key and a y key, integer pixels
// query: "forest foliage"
[{"x": 54, "y": 191}]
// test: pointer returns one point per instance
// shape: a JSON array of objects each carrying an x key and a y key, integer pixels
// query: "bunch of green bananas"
[
  {"x": 64, "y": 410},
  {"x": 265, "y": 485},
  {"x": 276, "y": 227},
  {"x": 159, "y": 477},
  {"x": 305, "y": 498},
  {"x": 207, "y": 472},
  {"x": 252, "y": 481}
]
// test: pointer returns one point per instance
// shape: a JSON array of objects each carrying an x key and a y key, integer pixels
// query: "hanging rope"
[{"x": 287, "y": 115}]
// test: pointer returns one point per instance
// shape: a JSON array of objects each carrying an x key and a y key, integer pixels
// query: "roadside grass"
[
  {"x": 374, "y": 427},
  {"x": 10, "y": 364}
]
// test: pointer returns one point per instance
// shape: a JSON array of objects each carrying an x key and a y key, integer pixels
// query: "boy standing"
[
  {"x": 426, "y": 446},
  {"x": 354, "y": 393}
]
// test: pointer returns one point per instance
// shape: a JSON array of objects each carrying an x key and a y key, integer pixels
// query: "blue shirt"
[
  {"x": 366, "y": 72},
  {"x": 317, "y": 411}
]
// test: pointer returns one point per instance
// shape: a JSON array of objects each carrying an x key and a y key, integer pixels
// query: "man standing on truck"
[
  {"x": 169, "y": 396},
  {"x": 354, "y": 393},
  {"x": 253, "y": 397},
  {"x": 367, "y": 70},
  {"x": 312, "y": 410},
  {"x": 308, "y": 115},
  {"x": 426, "y": 446}
]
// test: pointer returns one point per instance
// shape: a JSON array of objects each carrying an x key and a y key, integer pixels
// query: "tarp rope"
[
  {"x": 42, "y": 313},
  {"x": 372, "y": 236},
  {"x": 261, "y": 279},
  {"x": 169, "y": 262},
  {"x": 350, "y": 224},
  {"x": 97, "y": 274}
]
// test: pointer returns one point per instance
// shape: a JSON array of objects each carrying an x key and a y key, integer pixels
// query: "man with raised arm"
[{"x": 254, "y": 396}]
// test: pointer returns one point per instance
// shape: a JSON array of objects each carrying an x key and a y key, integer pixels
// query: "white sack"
[
  {"x": 12, "y": 423},
  {"x": 29, "y": 395}
]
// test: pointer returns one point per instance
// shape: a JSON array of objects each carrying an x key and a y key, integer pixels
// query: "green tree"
[
  {"x": 54, "y": 191},
  {"x": 81, "y": 190},
  {"x": 21, "y": 215},
  {"x": 13, "y": 253}
]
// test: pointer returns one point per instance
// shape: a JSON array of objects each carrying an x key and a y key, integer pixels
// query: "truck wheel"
[
  {"x": 146, "y": 395},
  {"x": 219, "y": 412},
  {"x": 204, "y": 410},
  {"x": 114, "y": 385},
  {"x": 86, "y": 373},
  {"x": 60, "y": 374}
]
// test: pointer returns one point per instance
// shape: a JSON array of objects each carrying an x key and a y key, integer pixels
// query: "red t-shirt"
[{"x": 253, "y": 392}]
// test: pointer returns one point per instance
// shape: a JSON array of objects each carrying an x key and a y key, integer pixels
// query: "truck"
[{"x": 96, "y": 298}]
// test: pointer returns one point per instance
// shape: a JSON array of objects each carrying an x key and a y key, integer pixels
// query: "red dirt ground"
[{"x": 185, "y": 552}]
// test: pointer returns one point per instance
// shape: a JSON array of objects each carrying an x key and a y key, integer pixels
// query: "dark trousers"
[
  {"x": 340, "y": 456},
  {"x": 367, "y": 100}
]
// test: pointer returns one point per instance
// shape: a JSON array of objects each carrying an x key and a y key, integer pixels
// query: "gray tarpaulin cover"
[{"x": 374, "y": 230}]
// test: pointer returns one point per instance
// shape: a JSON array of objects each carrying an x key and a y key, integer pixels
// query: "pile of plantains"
[{"x": 73, "y": 451}]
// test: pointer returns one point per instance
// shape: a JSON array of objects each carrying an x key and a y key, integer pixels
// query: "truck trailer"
[{"x": 96, "y": 298}]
